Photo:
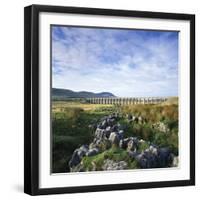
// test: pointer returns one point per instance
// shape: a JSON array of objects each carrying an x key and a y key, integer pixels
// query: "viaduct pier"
[{"x": 126, "y": 101}]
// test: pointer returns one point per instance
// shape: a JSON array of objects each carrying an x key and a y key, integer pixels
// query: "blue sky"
[{"x": 127, "y": 63}]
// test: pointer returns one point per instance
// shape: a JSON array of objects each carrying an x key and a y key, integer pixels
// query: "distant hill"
[{"x": 65, "y": 93}]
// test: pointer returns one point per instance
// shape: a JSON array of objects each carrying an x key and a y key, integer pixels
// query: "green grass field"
[{"x": 71, "y": 126}]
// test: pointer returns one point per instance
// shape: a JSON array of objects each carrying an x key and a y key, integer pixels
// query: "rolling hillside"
[{"x": 65, "y": 93}]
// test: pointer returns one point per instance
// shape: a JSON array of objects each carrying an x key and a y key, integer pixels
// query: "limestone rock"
[
  {"x": 75, "y": 160},
  {"x": 92, "y": 152},
  {"x": 132, "y": 144},
  {"x": 113, "y": 165},
  {"x": 161, "y": 127},
  {"x": 114, "y": 138},
  {"x": 78, "y": 155},
  {"x": 175, "y": 161},
  {"x": 165, "y": 157}
]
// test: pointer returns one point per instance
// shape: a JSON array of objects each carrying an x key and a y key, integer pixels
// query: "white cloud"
[{"x": 122, "y": 62}]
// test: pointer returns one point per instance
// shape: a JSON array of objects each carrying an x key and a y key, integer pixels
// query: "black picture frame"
[{"x": 31, "y": 98}]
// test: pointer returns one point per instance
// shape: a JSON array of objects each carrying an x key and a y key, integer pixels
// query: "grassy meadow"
[{"x": 73, "y": 124}]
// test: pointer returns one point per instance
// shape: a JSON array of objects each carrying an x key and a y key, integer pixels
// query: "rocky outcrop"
[
  {"x": 113, "y": 165},
  {"x": 78, "y": 155},
  {"x": 92, "y": 152},
  {"x": 154, "y": 157},
  {"x": 108, "y": 134}
]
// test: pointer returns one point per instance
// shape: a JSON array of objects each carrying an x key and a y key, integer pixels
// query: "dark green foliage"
[{"x": 143, "y": 146}]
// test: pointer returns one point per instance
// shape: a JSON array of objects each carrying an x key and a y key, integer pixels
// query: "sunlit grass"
[{"x": 60, "y": 105}]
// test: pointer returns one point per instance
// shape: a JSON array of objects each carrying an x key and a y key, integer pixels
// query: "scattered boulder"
[
  {"x": 132, "y": 144},
  {"x": 100, "y": 133},
  {"x": 153, "y": 150},
  {"x": 129, "y": 116},
  {"x": 121, "y": 134},
  {"x": 92, "y": 152},
  {"x": 84, "y": 148},
  {"x": 165, "y": 157},
  {"x": 110, "y": 121},
  {"x": 114, "y": 128},
  {"x": 114, "y": 138},
  {"x": 75, "y": 160},
  {"x": 161, "y": 127},
  {"x": 109, "y": 132},
  {"x": 113, "y": 165},
  {"x": 78, "y": 155},
  {"x": 123, "y": 143},
  {"x": 92, "y": 145},
  {"x": 141, "y": 141},
  {"x": 108, "y": 128},
  {"x": 147, "y": 160},
  {"x": 175, "y": 161},
  {"x": 104, "y": 124},
  {"x": 132, "y": 118},
  {"x": 140, "y": 120},
  {"x": 154, "y": 157}
]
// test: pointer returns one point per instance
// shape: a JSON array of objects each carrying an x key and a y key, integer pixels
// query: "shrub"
[
  {"x": 143, "y": 146},
  {"x": 153, "y": 113}
]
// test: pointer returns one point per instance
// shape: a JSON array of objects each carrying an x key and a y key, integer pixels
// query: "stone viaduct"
[{"x": 126, "y": 101}]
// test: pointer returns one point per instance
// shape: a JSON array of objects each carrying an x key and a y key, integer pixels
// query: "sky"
[{"x": 125, "y": 62}]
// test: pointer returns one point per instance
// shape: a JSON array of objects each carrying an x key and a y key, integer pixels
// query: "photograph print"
[{"x": 114, "y": 99}]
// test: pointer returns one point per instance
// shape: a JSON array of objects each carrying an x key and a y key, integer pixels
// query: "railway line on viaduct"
[{"x": 126, "y": 101}]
